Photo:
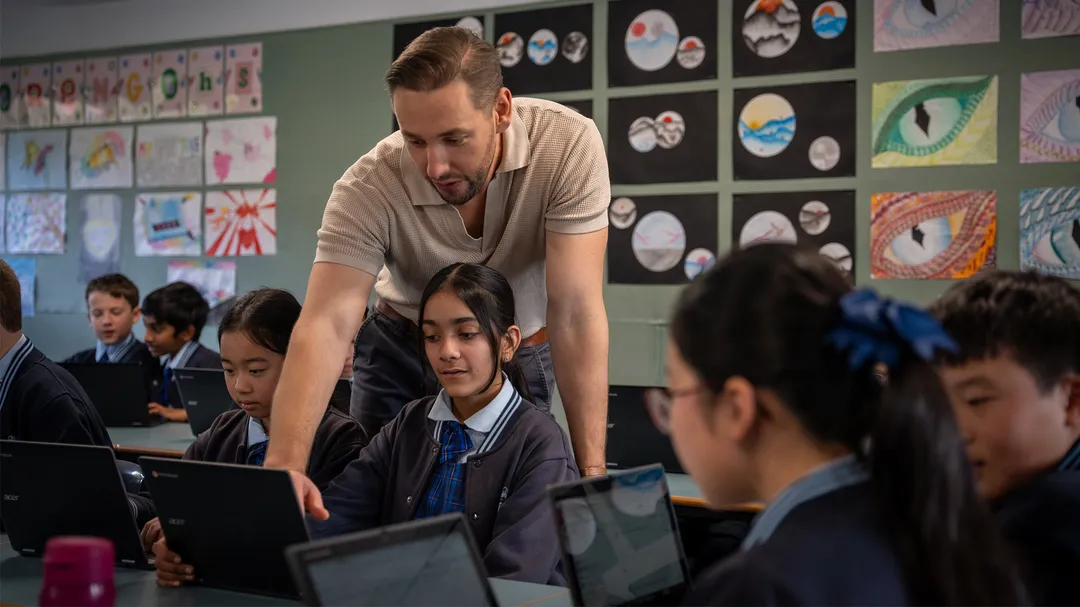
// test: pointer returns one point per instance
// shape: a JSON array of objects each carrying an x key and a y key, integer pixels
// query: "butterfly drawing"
[{"x": 35, "y": 157}]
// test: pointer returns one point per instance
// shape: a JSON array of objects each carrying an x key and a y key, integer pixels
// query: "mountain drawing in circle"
[
  {"x": 771, "y": 27},
  {"x": 829, "y": 20},
  {"x": 766, "y": 125},
  {"x": 652, "y": 40}
]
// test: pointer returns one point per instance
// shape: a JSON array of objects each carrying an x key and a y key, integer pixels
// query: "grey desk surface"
[
  {"x": 169, "y": 436},
  {"x": 20, "y": 584}
]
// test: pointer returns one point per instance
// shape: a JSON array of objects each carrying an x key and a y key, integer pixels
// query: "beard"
[{"x": 473, "y": 184}]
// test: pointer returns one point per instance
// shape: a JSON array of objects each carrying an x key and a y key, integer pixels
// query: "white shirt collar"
[
  {"x": 115, "y": 351},
  {"x": 484, "y": 419},
  {"x": 6, "y": 361},
  {"x": 256, "y": 433},
  {"x": 181, "y": 358}
]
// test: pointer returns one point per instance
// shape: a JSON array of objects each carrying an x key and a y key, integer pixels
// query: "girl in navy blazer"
[{"x": 776, "y": 396}]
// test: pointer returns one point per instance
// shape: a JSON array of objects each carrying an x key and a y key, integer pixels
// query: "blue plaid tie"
[
  {"x": 163, "y": 397},
  {"x": 104, "y": 357},
  {"x": 257, "y": 453},
  {"x": 446, "y": 491}
]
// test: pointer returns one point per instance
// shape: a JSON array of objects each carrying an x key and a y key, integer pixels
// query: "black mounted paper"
[
  {"x": 547, "y": 50},
  {"x": 794, "y": 132},
  {"x": 661, "y": 240},
  {"x": 822, "y": 220},
  {"x": 663, "y": 138},
  {"x": 657, "y": 41},
  {"x": 784, "y": 36}
]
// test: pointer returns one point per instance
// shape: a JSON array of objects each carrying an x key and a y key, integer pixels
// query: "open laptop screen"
[
  {"x": 427, "y": 562},
  {"x": 620, "y": 538}
]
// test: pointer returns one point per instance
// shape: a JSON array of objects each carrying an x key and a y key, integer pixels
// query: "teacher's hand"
[{"x": 308, "y": 495}]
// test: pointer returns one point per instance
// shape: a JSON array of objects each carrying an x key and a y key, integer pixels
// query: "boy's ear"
[
  {"x": 187, "y": 334},
  {"x": 1072, "y": 405},
  {"x": 135, "y": 313}
]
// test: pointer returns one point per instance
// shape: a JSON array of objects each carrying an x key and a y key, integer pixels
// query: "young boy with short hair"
[
  {"x": 1015, "y": 387},
  {"x": 174, "y": 316},
  {"x": 39, "y": 400},
  {"x": 112, "y": 303}
]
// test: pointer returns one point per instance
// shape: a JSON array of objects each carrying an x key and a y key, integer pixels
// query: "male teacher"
[{"x": 520, "y": 185}]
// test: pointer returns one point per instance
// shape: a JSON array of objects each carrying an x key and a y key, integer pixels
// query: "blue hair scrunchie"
[{"x": 873, "y": 329}]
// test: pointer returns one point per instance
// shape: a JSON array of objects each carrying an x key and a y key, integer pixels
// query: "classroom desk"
[
  {"x": 684, "y": 492},
  {"x": 169, "y": 439},
  {"x": 20, "y": 584}
]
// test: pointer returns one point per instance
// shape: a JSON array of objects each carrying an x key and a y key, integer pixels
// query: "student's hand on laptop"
[
  {"x": 173, "y": 415},
  {"x": 151, "y": 533},
  {"x": 170, "y": 571},
  {"x": 308, "y": 495}
]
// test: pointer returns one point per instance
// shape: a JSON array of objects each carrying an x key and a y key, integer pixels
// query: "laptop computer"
[
  {"x": 632, "y": 437},
  {"x": 620, "y": 539},
  {"x": 51, "y": 489},
  {"x": 231, "y": 523},
  {"x": 119, "y": 391},
  {"x": 431, "y": 561},
  {"x": 204, "y": 394}
]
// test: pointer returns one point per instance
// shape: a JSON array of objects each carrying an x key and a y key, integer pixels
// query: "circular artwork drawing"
[
  {"x": 766, "y": 125},
  {"x": 697, "y": 261},
  {"x": 830, "y": 19},
  {"x": 691, "y": 52},
  {"x": 771, "y": 27},
  {"x": 824, "y": 153},
  {"x": 839, "y": 254},
  {"x": 473, "y": 25},
  {"x": 575, "y": 46},
  {"x": 543, "y": 46},
  {"x": 511, "y": 49},
  {"x": 814, "y": 217},
  {"x": 670, "y": 129},
  {"x": 767, "y": 226},
  {"x": 622, "y": 213},
  {"x": 659, "y": 241},
  {"x": 579, "y": 522},
  {"x": 643, "y": 134},
  {"x": 652, "y": 40}
]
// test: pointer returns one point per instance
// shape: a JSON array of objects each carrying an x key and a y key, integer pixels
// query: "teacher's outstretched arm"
[{"x": 333, "y": 310}]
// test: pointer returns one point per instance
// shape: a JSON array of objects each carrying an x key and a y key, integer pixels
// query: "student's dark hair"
[
  {"x": 442, "y": 55},
  {"x": 10, "y": 299},
  {"x": 178, "y": 304},
  {"x": 114, "y": 285},
  {"x": 763, "y": 314},
  {"x": 1034, "y": 319},
  {"x": 266, "y": 316},
  {"x": 491, "y": 299}
]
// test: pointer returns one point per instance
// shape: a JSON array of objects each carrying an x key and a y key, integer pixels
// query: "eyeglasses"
[{"x": 658, "y": 403}]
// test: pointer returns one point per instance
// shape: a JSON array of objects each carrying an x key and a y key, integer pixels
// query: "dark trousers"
[{"x": 387, "y": 374}]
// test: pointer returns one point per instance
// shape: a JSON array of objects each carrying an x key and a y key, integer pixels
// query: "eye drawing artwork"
[
  {"x": 946, "y": 121},
  {"x": 901, "y": 25},
  {"x": 1049, "y": 18},
  {"x": 668, "y": 239},
  {"x": 546, "y": 50},
  {"x": 1050, "y": 231},
  {"x": 1050, "y": 116},
  {"x": 788, "y": 36},
  {"x": 794, "y": 132},
  {"x": 654, "y": 41},
  {"x": 824, "y": 220},
  {"x": 668, "y": 138},
  {"x": 946, "y": 235}
]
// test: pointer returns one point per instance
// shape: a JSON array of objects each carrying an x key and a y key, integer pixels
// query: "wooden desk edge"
[
  {"x": 697, "y": 502},
  {"x": 151, "y": 451}
]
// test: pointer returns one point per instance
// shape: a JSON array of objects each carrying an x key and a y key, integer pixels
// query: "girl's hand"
[
  {"x": 173, "y": 415},
  {"x": 170, "y": 571}
]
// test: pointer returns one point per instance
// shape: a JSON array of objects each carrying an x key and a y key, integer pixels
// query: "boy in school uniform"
[
  {"x": 39, "y": 400},
  {"x": 1015, "y": 387},
  {"x": 174, "y": 316},
  {"x": 112, "y": 303}
]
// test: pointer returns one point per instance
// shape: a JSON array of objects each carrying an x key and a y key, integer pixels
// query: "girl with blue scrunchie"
[{"x": 774, "y": 397}]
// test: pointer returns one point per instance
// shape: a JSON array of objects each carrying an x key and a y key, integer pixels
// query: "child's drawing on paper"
[
  {"x": 36, "y": 80},
  {"x": 243, "y": 78},
  {"x": 134, "y": 101},
  {"x": 35, "y": 160},
  {"x": 169, "y": 154},
  {"x": 241, "y": 151},
  {"x": 241, "y": 223},
  {"x": 68, "y": 78},
  {"x": 206, "y": 81},
  {"x": 103, "y": 87},
  {"x": 101, "y": 158},
  {"x": 170, "y": 83},
  {"x": 168, "y": 224},
  {"x": 36, "y": 224},
  {"x": 215, "y": 280}
]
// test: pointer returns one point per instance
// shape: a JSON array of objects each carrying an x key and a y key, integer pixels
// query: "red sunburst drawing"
[{"x": 241, "y": 223}]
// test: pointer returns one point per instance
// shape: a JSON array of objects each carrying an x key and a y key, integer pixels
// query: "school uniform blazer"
[
  {"x": 41, "y": 402},
  {"x": 338, "y": 441},
  {"x": 1042, "y": 522},
  {"x": 137, "y": 354},
  {"x": 201, "y": 358},
  {"x": 829, "y": 550},
  {"x": 506, "y": 484}
]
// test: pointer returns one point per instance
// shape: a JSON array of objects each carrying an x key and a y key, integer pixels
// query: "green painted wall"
[{"x": 325, "y": 88}]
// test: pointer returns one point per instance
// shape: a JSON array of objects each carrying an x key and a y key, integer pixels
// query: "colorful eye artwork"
[
  {"x": 901, "y": 25},
  {"x": 946, "y": 121},
  {"x": 1050, "y": 231},
  {"x": 932, "y": 234},
  {"x": 1050, "y": 116},
  {"x": 1049, "y": 18}
]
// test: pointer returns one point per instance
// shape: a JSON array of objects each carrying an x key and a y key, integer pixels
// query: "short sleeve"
[
  {"x": 355, "y": 229},
  {"x": 582, "y": 189}
]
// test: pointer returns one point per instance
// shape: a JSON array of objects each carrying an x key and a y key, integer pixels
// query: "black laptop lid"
[
  {"x": 119, "y": 391},
  {"x": 632, "y": 437},
  {"x": 620, "y": 539},
  {"x": 230, "y": 523},
  {"x": 52, "y": 489},
  {"x": 430, "y": 561},
  {"x": 204, "y": 394}
]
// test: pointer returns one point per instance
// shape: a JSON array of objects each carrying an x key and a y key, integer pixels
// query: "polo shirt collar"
[
  {"x": 115, "y": 351},
  {"x": 516, "y": 154},
  {"x": 484, "y": 419},
  {"x": 255, "y": 432},
  {"x": 182, "y": 357}
]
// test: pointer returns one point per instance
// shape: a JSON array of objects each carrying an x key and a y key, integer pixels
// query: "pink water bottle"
[{"x": 78, "y": 573}]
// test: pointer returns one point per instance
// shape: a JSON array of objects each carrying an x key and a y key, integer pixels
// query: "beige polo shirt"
[{"x": 386, "y": 219}]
